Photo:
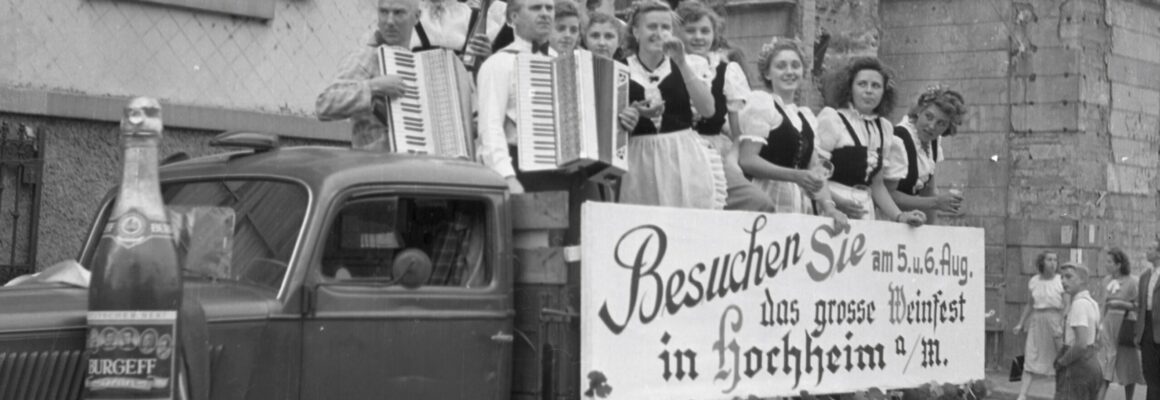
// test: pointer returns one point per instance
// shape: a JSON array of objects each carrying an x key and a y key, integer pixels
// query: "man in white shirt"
[
  {"x": 1148, "y": 323},
  {"x": 1077, "y": 372},
  {"x": 359, "y": 90},
  {"x": 532, "y": 21}
]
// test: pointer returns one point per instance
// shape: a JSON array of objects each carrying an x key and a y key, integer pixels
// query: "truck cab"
[{"x": 349, "y": 275}]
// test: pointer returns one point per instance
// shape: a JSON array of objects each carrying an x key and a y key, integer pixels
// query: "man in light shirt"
[
  {"x": 533, "y": 22},
  {"x": 1077, "y": 372},
  {"x": 359, "y": 89},
  {"x": 1148, "y": 323}
]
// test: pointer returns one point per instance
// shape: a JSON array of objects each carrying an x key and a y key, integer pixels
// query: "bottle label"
[
  {"x": 132, "y": 228},
  {"x": 131, "y": 354}
]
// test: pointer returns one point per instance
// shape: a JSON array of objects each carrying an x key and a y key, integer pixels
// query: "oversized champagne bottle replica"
[{"x": 135, "y": 293}]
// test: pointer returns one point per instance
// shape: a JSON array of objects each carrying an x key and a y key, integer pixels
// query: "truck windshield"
[
  {"x": 238, "y": 229},
  {"x": 241, "y": 229}
]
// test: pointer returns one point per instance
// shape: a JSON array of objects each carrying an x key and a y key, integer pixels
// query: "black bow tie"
[
  {"x": 654, "y": 78},
  {"x": 541, "y": 48}
]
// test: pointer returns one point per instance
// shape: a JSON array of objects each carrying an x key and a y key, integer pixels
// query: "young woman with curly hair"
[
  {"x": 669, "y": 163},
  {"x": 915, "y": 149},
  {"x": 852, "y": 134}
]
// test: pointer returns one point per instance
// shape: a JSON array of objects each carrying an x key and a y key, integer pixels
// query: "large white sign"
[{"x": 694, "y": 304}]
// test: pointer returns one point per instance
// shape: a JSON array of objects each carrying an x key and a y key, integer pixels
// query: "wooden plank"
[
  {"x": 1134, "y": 16},
  {"x": 961, "y": 65},
  {"x": 540, "y": 210},
  {"x": 1045, "y": 89},
  {"x": 1134, "y": 152},
  {"x": 1135, "y": 99},
  {"x": 983, "y": 36},
  {"x": 1047, "y": 61},
  {"x": 1134, "y": 125},
  {"x": 1130, "y": 71},
  {"x": 1045, "y": 117},
  {"x": 1135, "y": 45},
  {"x": 934, "y": 13},
  {"x": 541, "y": 266}
]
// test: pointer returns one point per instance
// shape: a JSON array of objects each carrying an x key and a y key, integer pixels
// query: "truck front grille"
[{"x": 41, "y": 375}]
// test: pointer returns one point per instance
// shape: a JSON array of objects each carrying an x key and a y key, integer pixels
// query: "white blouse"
[
  {"x": 897, "y": 163},
  {"x": 759, "y": 117},
  {"x": 832, "y": 134}
]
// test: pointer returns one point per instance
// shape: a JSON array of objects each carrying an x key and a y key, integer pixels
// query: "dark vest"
[
  {"x": 787, "y": 146},
  {"x": 907, "y": 184},
  {"x": 850, "y": 162}
]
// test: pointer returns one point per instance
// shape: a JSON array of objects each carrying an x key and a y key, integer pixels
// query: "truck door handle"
[{"x": 502, "y": 337}]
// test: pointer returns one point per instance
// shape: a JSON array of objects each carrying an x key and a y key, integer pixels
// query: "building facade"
[{"x": 1058, "y": 152}]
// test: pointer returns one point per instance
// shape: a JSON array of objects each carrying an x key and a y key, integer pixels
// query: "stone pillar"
[{"x": 1058, "y": 152}]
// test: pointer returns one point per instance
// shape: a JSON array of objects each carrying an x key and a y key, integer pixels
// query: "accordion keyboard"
[{"x": 538, "y": 150}]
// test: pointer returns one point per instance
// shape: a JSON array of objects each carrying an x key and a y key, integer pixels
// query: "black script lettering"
[
  {"x": 720, "y": 346},
  {"x": 680, "y": 356},
  {"x": 835, "y": 263},
  {"x": 640, "y": 270},
  {"x": 841, "y": 312},
  {"x": 954, "y": 265},
  {"x": 778, "y": 312},
  {"x": 932, "y": 310}
]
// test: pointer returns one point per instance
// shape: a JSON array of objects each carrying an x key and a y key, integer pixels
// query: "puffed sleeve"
[
  {"x": 496, "y": 18},
  {"x": 828, "y": 131},
  {"x": 736, "y": 85},
  {"x": 895, "y": 162},
  {"x": 758, "y": 117}
]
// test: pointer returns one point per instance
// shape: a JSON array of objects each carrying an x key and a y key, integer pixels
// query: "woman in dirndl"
[
  {"x": 852, "y": 135},
  {"x": 668, "y": 162},
  {"x": 916, "y": 148},
  {"x": 729, "y": 87},
  {"x": 777, "y": 137},
  {"x": 1120, "y": 363},
  {"x": 1043, "y": 319}
]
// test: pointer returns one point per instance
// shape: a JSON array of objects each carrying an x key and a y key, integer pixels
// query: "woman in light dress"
[{"x": 1042, "y": 320}]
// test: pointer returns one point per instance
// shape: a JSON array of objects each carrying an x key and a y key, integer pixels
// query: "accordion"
[
  {"x": 434, "y": 116},
  {"x": 568, "y": 113}
]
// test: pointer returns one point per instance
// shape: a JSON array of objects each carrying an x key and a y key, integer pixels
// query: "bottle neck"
[{"x": 140, "y": 189}]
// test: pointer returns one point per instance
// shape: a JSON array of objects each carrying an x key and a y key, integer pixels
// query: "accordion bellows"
[
  {"x": 434, "y": 116},
  {"x": 568, "y": 113}
]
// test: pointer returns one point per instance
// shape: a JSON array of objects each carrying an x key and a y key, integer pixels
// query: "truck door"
[{"x": 379, "y": 325}]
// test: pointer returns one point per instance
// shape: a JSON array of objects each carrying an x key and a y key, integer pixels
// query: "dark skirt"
[{"x": 1079, "y": 381}]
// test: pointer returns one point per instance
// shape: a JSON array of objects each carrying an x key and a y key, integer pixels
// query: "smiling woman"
[{"x": 916, "y": 148}]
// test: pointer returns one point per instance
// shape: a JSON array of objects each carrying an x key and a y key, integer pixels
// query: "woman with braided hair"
[{"x": 915, "y": 149}]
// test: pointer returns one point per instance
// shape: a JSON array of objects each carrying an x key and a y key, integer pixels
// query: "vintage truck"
[{"x": 353, "y": 275}]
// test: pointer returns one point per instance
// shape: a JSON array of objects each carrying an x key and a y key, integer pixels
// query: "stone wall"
[{"x": 1058, "y": 152}]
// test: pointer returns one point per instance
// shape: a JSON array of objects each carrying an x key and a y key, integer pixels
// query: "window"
[{"x": 370, "y": 235}]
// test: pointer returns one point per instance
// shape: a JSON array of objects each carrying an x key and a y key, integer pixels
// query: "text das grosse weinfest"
[{"x": 803, "y": 338}]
